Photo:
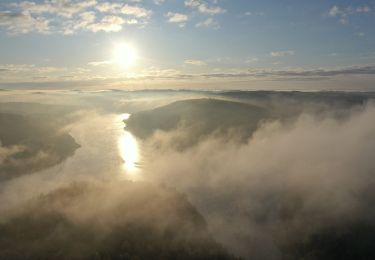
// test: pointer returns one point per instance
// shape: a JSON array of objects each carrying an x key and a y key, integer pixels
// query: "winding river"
[{"x": 107, "y": 152}]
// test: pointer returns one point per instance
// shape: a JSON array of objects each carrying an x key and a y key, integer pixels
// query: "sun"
[{"x": 124, "y": 55}]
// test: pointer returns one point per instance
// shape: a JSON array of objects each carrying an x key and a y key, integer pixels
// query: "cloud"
[
  {"x": 208, "y": 23},
  {"x": 203, "y": 7},
  {"x": 109, "y": 23},
  {"x": 100, "y": 63},
  {"x": 130, "y": 216},
  {"x": 178, "y": 18},
  {"x": 343, "y": 13},
  {"x": 195, "y": 62},
  {"x": 282, "y": 53},
  {"x": 42, "y": 202},
  {"x": 7, "y": 153},
  {"x": 334, "y": 11},
  {"x": 23, "y": 22},
  {"x": 248, "y": 13},
  {"x": 252, "y": 60},
  {"x": 158, "y": 2},
  {"x": 296, "y": 73},
  {"x": 361, "y": 34},
  {"x": 363, "y": 9},
  {"x": 32, "y": 76},
  {"x": 290, "y": 181},
  {"x": 130, "y": 10},
  {"x": 83, "y": 21},
  {"x": 65, "y": 8},
  {"x": 354, "y": 70},
  {"x": 107, "y": 7},
  {"x": 70, "y": 16},
  {"x": 32, "y": 68},
  {"x": 136, "y": 11}
]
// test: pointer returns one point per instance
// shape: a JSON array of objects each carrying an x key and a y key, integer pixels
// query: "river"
[{"x": 107, "y": 152}]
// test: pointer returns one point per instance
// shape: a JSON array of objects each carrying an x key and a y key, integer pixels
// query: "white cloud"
[
  {"x": 66, "y": 8},
  {"x": 159, "y": 73},
  {"x": 177, "y": 18},
  {"x": 158, "y": 2},
  {"x": 29, "y": 72},
  {"x": 6, "y": 152},
  {"x": 70, "y": 16},
  {"x": 342, "y": 13},
  {"x": 82, "y": 22},
  {"x": 316, "y": 161},
  {"x": 361, "y": 34},
  {"x": 334, "y": 11},
  {"x": 108, "y": 24},
  {"x": 24, "y": 22},
  {"x": 195, "y": 62},
  {"x": 282, "y": 53},
  {"x": 203, "y": 7},
  {"x": 136, "y": 11},
  {"x": 100, "y": 63},
  {"x": 248, "y": 13},
  {"x": 363, "y": 9},
  {"x": 17, "y": 67},
  {"x": 252, "y": 60},
  {"x": 208, "y": 23},
  {"x": 108, "y": 7},
  {"x": 117, "y": 8}
]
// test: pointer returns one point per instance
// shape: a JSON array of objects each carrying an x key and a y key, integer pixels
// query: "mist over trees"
[
  {"x": 31, "y": 138},
  {"x": 257, "y": 175},
  {"x": 296, "y": 188},
  {"x": 104, "y": 220}
]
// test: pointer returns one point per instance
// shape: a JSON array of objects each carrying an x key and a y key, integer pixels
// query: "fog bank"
[{"x": 286, "y": 184}]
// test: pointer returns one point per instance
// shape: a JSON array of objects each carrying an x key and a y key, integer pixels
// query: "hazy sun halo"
[{"x": 124, "y": 55}]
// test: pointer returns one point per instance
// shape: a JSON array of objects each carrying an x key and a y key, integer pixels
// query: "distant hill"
[
  {"x": 329, "y": 97},
  {"x": 29, "y": 144},
  {"x": 287, "y": 104},
  {"x": 200, "y": 116}
]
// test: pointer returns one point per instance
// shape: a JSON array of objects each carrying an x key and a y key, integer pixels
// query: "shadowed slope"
[
  {"x": 200, "y": 116},
  {"x": 29, "y": 144},
  {"x": 120, "y": 220}
]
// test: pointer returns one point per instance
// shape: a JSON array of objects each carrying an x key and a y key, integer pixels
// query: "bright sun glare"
[{"x": 125, "y": 55}]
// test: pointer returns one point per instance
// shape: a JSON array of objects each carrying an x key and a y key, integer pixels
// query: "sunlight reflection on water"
[{"x": 129, "y": 151}]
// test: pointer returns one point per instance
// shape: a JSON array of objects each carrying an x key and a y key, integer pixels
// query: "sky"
[{"x": 199, "y": 44}]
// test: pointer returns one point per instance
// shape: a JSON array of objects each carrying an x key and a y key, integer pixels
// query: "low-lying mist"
[
  {"x": 258, "y": 175},
  {"x": 107, "y": 220},
  {"x": 289, "y": 184}
]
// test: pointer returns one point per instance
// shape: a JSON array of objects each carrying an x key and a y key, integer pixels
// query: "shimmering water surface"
[
  {"x": 107, "y": 149},
  {"x": 129, "y": 150},
  {"x": 107, "y": 152}
]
